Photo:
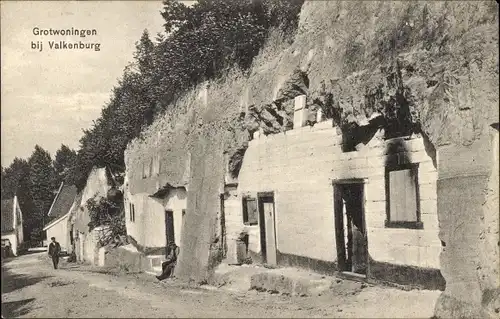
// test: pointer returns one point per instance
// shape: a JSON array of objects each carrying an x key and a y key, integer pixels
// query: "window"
[
  {"x": 156, "y": 165},
  {"x": 402, "y": 197},
  {"x": 147, "y": 168},
  {"x": 250, "y": 211},
  {"x": 132, "y": 212},
  {"x": 144, "y": 171}
]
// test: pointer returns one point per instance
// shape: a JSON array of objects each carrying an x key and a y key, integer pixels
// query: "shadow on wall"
[
  {"x": 397, "y": 153},
  {"x": 429, "y": 149},
  {"x": 354, "y": 134}
]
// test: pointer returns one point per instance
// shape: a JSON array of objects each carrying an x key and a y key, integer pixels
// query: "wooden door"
[{"x": 268, "y": 212}]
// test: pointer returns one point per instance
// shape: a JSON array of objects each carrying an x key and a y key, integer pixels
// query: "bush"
[{"x": 104, "y": 212}]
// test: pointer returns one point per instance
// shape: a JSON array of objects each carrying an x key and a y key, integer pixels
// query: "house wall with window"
[
  {"x": 300, "y": 165},
  {"x": 237, "y": 224},
  {"x": 145, "y": 216},
  {"x": 296, "y": 166}
]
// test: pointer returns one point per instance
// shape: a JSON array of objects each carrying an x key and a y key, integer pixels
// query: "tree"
[
  {"x": 64, "y": 163},
  {"x": 203, "y": 42},
  {"x": 16, "y": 181},
  {"x": 14, "y": 177},
  {"x": 43, "y": 187}
]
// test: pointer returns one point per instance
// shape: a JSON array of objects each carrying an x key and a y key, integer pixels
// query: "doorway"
[
  {"x": 350, "y": 226},
  {"x": 169, "y": 230},
  {"x": 267, "y": 226}
]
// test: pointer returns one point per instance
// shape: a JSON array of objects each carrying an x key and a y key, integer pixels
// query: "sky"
[{"x": 48, "y": 97}]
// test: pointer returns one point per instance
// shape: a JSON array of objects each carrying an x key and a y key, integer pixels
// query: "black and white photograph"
[{"x": 250, "y": 159}]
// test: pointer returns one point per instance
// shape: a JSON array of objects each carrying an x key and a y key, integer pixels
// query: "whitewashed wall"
[{"x": 300, "y": 165}]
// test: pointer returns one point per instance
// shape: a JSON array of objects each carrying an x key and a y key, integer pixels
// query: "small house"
[
  {"x": 303, "y": 200},
  {"x": 59, "y": 213},
  {"x": 12, "y": 225}
]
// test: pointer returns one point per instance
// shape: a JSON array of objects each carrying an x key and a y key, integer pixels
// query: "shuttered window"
[
  {"x": 402, "y": 197},
  {"x": 250, "y": 211}
]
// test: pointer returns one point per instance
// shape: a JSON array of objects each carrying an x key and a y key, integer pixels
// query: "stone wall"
[
  {"x": 468, "y": 219},
  {"x": 299, "y": 167}
]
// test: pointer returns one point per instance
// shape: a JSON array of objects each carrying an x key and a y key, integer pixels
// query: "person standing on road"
[{"x": 54, "y": 251}]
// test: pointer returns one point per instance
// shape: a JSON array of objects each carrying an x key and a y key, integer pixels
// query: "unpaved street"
[{"x": 30, "y": 288}]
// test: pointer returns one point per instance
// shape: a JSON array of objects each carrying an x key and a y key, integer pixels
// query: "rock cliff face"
[{"x": 429, "y": 67}]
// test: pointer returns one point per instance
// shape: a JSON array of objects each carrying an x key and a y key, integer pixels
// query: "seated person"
[{"x": 168, "y": 265}]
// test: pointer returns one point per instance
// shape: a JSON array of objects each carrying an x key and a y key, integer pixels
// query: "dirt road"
[{"x": 31, "y": 288}]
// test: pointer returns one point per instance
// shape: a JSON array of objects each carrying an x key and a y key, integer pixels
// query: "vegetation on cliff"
[
  {"x": 110, "y": 213},
  {"x": 203, "y": 42}
]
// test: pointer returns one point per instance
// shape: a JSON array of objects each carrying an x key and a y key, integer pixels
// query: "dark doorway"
[
  {"x": 169, "y": 229},
  {"x": 267, "y": 228},
  {"x": 350, "y": 226},
  {"x": 223, "y": 226}
]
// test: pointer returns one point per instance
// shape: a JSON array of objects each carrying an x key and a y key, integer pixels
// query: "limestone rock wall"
[{"x": 418, "y": 66}]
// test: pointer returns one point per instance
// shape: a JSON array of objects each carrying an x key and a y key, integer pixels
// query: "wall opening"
[
  {"x": 250, "y": 215},
  {"x": 353, "y": 134},
  {"x": 350, "y": 227},
  {"x": 267, "y": 228},
  {"x": 222, "y": 226},
  {"x": 402, "y": 194},
  {"x": 169, "y": 230},
  {"x": 402, "y": 197}
]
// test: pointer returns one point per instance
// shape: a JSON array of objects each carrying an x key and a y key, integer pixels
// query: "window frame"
[
  {"x": 418, "y": 224},
  {"x": 245, "y": 216}
]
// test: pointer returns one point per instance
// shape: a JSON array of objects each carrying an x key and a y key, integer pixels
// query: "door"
[
  {"x": 223, "y": 226},
  {"x": 268, "y": 229},
  {"x": 169, "y": 228},
  {"x": 350, "y": 227}
]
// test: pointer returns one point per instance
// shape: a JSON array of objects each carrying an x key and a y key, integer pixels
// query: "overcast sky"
[{"x": 48, "y": 97}]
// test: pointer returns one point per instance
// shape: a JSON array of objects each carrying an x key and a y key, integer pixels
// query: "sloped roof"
[
  {"x": 63, "y": 201},
  {"x": 7, "y": 215},
  {"x": 76, "y": 206}
]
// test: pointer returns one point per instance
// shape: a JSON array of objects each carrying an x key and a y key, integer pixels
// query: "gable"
[{"x": 63, "y": 201}]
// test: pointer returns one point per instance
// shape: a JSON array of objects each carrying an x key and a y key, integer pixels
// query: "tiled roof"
[
  {"x": 62, "y": 202},
  {"x": 7, "y": 215}
]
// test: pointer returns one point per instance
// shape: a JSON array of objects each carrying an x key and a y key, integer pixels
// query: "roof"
[
  {"x": 7, "y": 215},
  {"x": 69, "y": 216},
  {"x": 63, "y": 201}
]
